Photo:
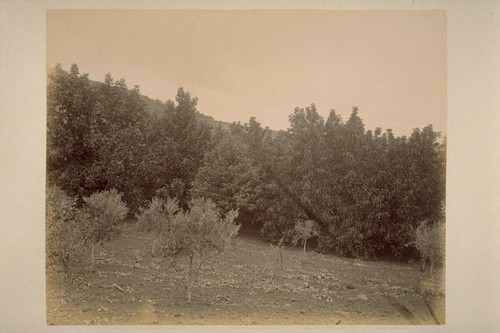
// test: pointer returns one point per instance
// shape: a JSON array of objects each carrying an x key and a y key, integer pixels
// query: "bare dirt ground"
[{"x": 244, "y": 286}]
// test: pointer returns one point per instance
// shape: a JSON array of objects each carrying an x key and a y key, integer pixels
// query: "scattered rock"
[
  {"x": 363, "y": 297},
  {"x": 350, "y": 286}
]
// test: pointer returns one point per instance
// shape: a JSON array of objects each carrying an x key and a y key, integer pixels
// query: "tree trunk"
[
  {"x": 92, "y": 257},
  {"x": 281, "y": 256},
  {"x": 189, "y": 280},
  {"x": 188, "y": 293},
  {"x": 153, "y": 248}
]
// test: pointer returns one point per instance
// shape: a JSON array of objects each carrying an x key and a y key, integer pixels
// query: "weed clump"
[{"x": 430, "y": 243}]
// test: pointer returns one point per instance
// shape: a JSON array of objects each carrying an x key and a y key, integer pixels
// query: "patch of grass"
[{"x": 430, "y": 287}]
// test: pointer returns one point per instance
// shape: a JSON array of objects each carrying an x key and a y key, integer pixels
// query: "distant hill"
[{"x": 157, "y": 107}]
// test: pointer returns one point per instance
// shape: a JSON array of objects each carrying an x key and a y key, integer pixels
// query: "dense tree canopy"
[
  {"x": 366, "y": 190},
  {"x": 100, "y": 137}
]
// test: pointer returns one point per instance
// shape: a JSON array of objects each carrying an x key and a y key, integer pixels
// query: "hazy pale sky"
[{"x": 391, "y": 64}]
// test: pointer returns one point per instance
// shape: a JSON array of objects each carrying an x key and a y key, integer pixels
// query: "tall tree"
[
  {"x": 191, "y": 140},
  {"x": 70, "y": 110},
  {"x": 227, "y": 176},
  {"x": 295, "y": 172},
  {"x": 119, "y": 132}
]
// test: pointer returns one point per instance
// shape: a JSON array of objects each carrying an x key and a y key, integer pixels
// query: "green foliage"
[
  {"x": 64, "y": 238},
  {"x": 102, "y": 212}
]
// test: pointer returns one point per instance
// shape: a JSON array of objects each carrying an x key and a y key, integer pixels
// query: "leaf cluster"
[
  {"x": 200, "y": 232},
  {"x": 305, "y": 230},
  {"x": 156, "y": 218}
]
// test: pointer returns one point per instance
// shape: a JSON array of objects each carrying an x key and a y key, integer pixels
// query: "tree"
[
  {"x": 227, "y": 176},
  {"x": 95, "y": 135},
  {"x": 367, "y": 190},
  {"x": 70, "y": 110},
  {"x": 102, "y": 211},
  {"x": 296, "y": 171},
  {"x": 161, "y": 163},
  {"x": 305, "y": 230},
  {"x": 178, "y": 144},
  {"x": 198, "y": 234},
  {"x": 118, "y": 136}
]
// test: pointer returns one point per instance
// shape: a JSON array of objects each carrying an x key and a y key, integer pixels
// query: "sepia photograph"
[{"x": 247, "y": 167}]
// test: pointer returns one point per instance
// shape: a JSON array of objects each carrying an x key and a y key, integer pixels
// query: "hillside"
[{"x": 156, "y": 107}]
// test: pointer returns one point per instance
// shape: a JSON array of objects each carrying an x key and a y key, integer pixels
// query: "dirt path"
[{"x": 242, "y": 286}]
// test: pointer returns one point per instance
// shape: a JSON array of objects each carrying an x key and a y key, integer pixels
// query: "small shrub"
[
  {"x": 198, "y": 235},
  {"x": 305, "y": 230},
  {"x": 430, "y": 243},
  {"x": 150, "y": 218},
  {"x": 156, "y": 218},
  {"x": 102, "y": 211},
  {"x": 64, "y": 237}
]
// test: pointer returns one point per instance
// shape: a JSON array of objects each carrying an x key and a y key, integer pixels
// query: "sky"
[{"x": 265, "y": 63}]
